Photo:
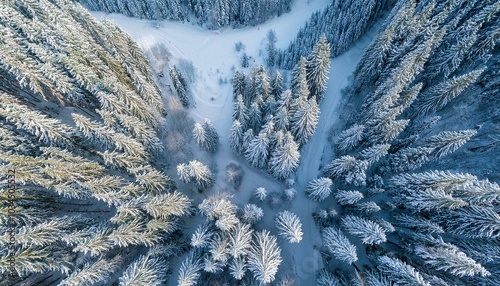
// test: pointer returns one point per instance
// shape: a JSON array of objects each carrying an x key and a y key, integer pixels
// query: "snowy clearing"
[{"x": 214, "y": 58}]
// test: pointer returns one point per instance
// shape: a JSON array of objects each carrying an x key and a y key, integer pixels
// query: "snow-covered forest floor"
[{"x": 214, "y": 58}]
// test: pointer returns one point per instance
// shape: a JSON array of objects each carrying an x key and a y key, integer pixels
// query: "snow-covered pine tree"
[
  {"x": 369, "y": 231},
  {"x": 183, "y": 172},
  {"x": 264, "y": 257},
  {"x": 261, "y": 84},
  {"x": 285, "y": 158},
  {"x": 319, "y": 189},
  {"x": 304, "y": 120},
  {"x": 219, "y": 248},
  {"x": 196, "y": 172},
  {"x": 289, "y": 226},
  {"x": 339, "y": 245},
  {"x": 318, "y": 67}
]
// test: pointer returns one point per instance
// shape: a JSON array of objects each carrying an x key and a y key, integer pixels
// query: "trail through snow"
[{"x": 213, "y": 56}]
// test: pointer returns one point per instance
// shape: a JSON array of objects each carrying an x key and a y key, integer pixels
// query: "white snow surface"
[{"x": 213, "y": 56}]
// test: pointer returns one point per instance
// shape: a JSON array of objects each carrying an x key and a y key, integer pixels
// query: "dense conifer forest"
[{"x": 121, "y": 163}]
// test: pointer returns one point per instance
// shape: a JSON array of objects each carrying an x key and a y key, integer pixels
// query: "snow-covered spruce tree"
[
  {"x": 236, "y": 137},
  {"x": 318, "y": 67},
  {"x": 277, "y": 85},
  {"x": 348, "y": 197},
  {"x": 304, "y": 120},
  {"x": 271, "y": 48},
  {"x": 237, "y": 267},
  {"x": 325, "y": 278},
  {"x": 144, "y": 271},
  {"x": 374, "y": 153},
  {"x": 369, "y": 231},
  {"x": 201, "y": 236},
  {"x": 240, "y": 111},
  {"x": 200, "y": 136},
  {"x": 420, "y": 224},
  {"x": 239, "y": 84},
  {"x": 339, "y": 245},
  {"x": 48, "y": 130},
  {"x": 201, "y": 174},
  {"x": 351, "y": 137},
  {"x": 257, "y": 151},
  {"x": 285, "y": 157},
  {"x": 319, "y": 189},
  {"x": 196, "y": 172},
  {"x": 298, "y": 84},
  {"x": 400, "y": 272},
  {"x": 234, "y": 175},
  {"x": 252, "y": 214},
  {"x": 433, "y": 179},
  {"x": 429, "y": 200},
  {"x": 180, "y": 86},
  {"x": 281, "y": 118},
  {"x": 190, "y": 269},
  {"x": 264, "y": 257},
  {"x": 349, "y": 168},
  {"x": 248, "y": 136},
  {"x": 260, "y": 193},
  {"x": 289, "y": 226},
  {"x": 254, "y": 116},
  {"x": 474, "y": 222},
  {"x": 211, "y": 135},
  {"x": 240, "y": 238},
  {"x": 91, "y": 273},
  {"x": 449, "y": 258},
  {"x": 441, "y": 94},
  {"x": 447, "y": 142}
]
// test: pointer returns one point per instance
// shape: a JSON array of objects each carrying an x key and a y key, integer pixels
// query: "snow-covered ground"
[{"x": 214, "y": 57}]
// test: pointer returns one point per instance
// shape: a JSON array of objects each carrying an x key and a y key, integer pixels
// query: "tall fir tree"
[{"x": 318, "y": 67}]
